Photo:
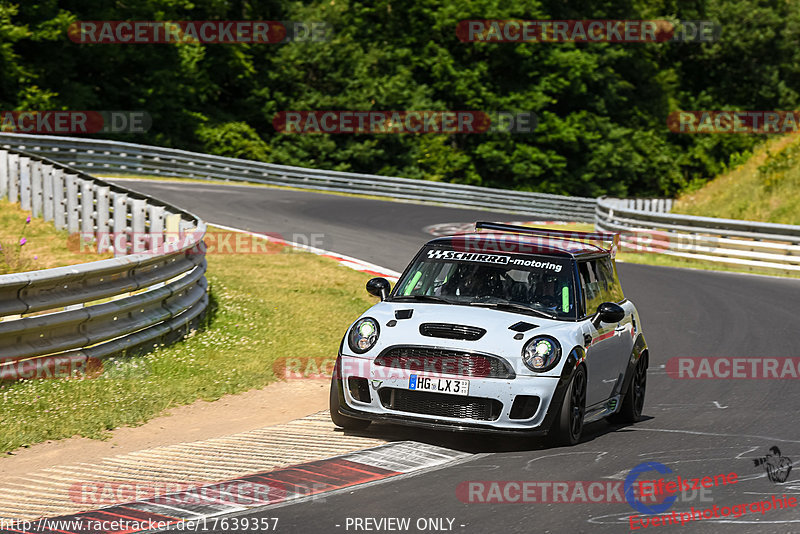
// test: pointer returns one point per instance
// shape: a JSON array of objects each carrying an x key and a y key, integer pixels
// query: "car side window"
[
  {"x": 593, "y": 291},
  {"x": 600, "y": 283},
  {"x": 607, "y": 271}
]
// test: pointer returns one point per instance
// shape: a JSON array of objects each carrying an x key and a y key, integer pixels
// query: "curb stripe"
[{"x": 290, "y": 483}]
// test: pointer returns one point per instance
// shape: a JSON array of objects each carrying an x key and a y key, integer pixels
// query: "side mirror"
[
  {"x": 608, "y": 312},
  {"x": 379, "y": 287}
]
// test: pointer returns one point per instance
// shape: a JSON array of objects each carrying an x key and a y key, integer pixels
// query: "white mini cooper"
[{"x": 512, "y": 329}]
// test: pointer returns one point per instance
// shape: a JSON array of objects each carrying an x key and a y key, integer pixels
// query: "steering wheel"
[{"x": 546, "y": 301}]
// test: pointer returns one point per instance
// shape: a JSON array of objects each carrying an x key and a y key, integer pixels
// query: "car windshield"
[{"x": 513, "y": 282}]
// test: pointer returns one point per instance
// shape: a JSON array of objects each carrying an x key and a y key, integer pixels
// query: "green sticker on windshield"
[
  {"x": 565, "y": 299},
  {"x": 411, "y": 283}
]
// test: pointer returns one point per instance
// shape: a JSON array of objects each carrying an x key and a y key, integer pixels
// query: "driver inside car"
[{"x": 547, "y": 293}]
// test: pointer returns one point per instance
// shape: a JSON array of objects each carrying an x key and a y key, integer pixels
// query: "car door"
[
  {"x": 624, "y": 330},
  {"x": 602, "y": 340}
]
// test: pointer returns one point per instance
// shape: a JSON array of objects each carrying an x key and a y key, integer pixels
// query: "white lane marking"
[
  {"x": 571, "y": 453},
  {"x": 347, "y": 261},
  {"x": 715, "y": 434},
  {"x": 748, "y": 451}
]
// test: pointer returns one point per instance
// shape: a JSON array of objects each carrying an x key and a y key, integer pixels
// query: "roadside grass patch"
[
  {"x": 764, "y": 188},
  {"x": 44, "y": 246},
  {"x": 263, "y": 307}
]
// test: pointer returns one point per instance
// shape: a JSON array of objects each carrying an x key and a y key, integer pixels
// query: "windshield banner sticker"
[
  {"x": 536, "y": 263},
  {"x": 498, "y": 259},
  {"x": 467, "y": 256}
]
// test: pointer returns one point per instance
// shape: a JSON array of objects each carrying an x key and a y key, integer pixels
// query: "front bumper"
[{"x": 448, "y": 411}]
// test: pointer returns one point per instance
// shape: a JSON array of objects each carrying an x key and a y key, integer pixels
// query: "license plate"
[{"x": 439, "y": 385}]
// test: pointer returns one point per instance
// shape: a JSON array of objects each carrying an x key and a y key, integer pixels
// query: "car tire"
[
  {"x": 343, "y": 421},
  {"x": 631, "y": 409},
  {"x": 568, "y": 426}
]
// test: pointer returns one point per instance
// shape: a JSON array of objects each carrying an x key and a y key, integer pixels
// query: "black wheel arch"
[
  {"x": 575, "y": 359},
  {"x": 638, "y": 352}
]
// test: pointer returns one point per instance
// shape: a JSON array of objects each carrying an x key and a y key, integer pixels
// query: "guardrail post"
[
  {"x": 59, "y": 200},
  {"x": 138, "y": 207},
  {"x": 157, "y": 214},
  {"x": 103, "y": 209},
  {"x": 48, "y": 211},
  {"x": 3, "y": 173},
  {"x": 87, "y": 207},
  {"x": 13, "y": 177},
  {"x": 120, "y": 223},
  {"x": 138, "y": 219},
  {"x": 172, "y": 226},
  {"x": 37, "y": 186},
  {"x": 72, "y": 203},
  {"x": 173, "y": 223},
  {"x": 25, "y": 183}
]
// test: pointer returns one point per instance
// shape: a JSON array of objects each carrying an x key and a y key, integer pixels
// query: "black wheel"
[
  {"x": 348, "y": 423},
  {"x": 631, "y": 409},
  {"x": 568, "y": 426}
]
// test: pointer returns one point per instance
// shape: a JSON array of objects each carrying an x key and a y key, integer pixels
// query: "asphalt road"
[{"x": 697, "y": 428}]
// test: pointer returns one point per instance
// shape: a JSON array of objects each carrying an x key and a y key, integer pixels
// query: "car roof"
[{"x": 500, "y": 242}]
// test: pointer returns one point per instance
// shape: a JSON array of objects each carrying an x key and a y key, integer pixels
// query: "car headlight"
[
  {"x": 541, "y": 353},
  {"x": 363, "y": 335}
]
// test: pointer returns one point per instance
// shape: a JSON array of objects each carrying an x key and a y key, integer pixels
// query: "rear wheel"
[
  {"x": 632, "y": 405},
  {"x": 568, "y": 426},
  {"x": 348, "y": 423}
]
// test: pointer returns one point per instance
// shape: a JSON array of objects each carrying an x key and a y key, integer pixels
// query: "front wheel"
[
  {"x": 568, "y": 426},
  {"x": 348, "y": 423},
  {"x": 633, "y": 403}
]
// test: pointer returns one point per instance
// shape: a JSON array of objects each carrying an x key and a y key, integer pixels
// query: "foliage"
[{"x": 602, "y": 107}]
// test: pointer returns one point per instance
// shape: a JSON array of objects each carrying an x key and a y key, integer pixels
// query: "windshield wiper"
[
  {"x": 514, "y": 306},
  {"x": 423, "y": 298}
]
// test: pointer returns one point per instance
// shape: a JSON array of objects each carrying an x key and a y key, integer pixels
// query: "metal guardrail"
[
  {"x": 747, "y": 244},
  {"x": 97, "y": 309},
  {"x": 110, "y": 156},
  {"x": 658, "y": 205}
]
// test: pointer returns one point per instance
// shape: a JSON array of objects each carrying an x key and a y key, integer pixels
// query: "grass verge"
[
  {"x": 44, "y": 246},
  {"x": 264, "y": 307},
  {"x": 765, "y": 188}
]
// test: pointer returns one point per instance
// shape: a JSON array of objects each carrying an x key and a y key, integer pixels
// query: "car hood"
[{"x": 499, "y": 338}]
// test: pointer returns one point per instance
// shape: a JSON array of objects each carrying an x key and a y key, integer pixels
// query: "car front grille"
[
  {"x": 451, "y": 331},
  {"x": 445, "y": 361},
  {"x": 440, "y": 404}
]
